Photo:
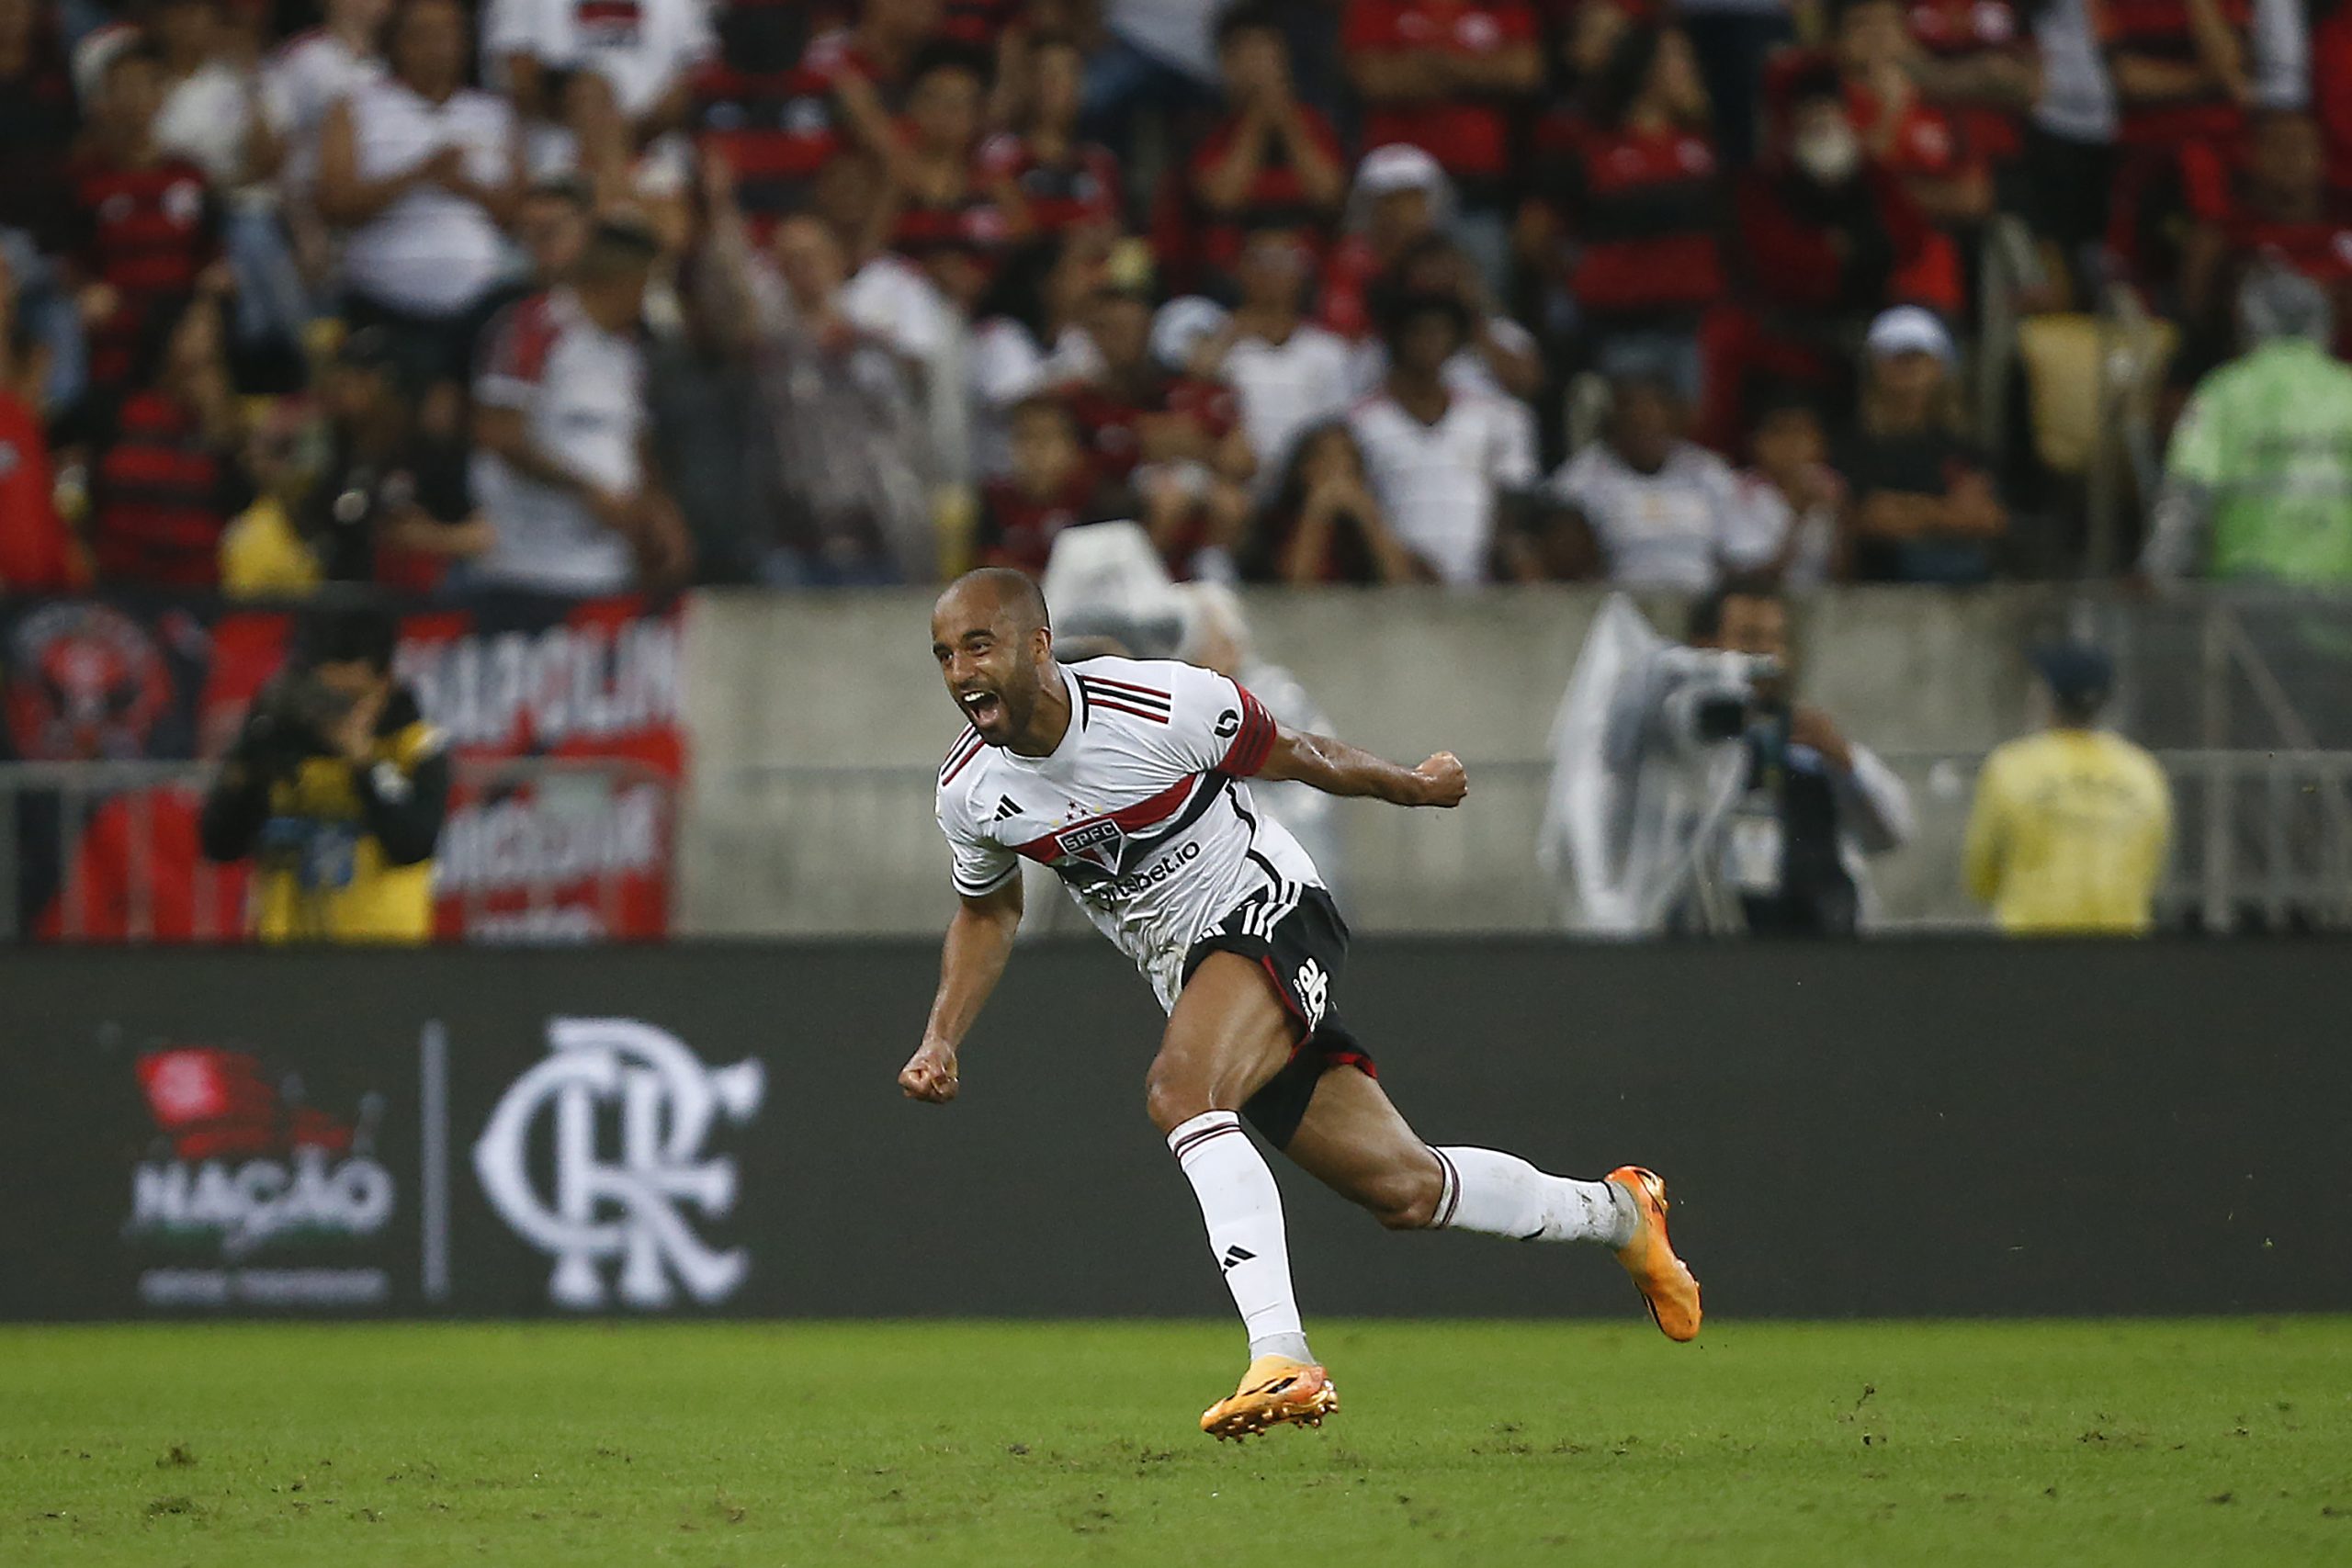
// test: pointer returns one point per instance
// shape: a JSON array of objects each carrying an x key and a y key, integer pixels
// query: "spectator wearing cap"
[
  {"x": 1630, "y": 207},
  {"x": 2258, "y": 478},
  {"x": 1448, "y": 76},
  {"x": 2071, "y": 825},
  {"x": 1924, "y": 508},
  {"x": 1270, "y": 162},
  {"x": 1445, "y": 465},
  {"x": 1400, "y": 195},
  {"x": 1643, "y": 508},
  {"x": 421, "y": 172},
  {"x": 559, "y": 428},
  {"x": 552, "y": 226}
]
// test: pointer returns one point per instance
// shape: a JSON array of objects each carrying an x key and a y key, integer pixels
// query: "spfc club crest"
[{"x": 1100, "y": 843}]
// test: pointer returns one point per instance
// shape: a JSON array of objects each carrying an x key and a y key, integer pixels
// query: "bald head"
[
  {"x": 993, "y": 591},
  {"x": 990, "y": 634}
]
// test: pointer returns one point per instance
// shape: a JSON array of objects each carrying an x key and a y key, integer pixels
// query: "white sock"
[
  {"x": 1244, "y": 1212},
  {"x": 1500, "y": 1194}
]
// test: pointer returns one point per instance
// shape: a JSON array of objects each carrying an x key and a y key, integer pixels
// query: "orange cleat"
[
  {"x": 1274, "y": 1389},
  {"x": 1668, "y": 1287}
]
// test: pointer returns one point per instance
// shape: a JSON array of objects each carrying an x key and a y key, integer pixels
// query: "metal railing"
[
  {"x": 2262, "y": 841},
  {"x": 157, "y": 888}
]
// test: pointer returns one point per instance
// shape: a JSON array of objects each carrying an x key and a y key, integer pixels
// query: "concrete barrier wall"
[{"x": 781, "y": 688}]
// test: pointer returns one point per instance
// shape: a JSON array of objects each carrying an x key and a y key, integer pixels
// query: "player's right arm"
[{"x": 979, "y": 941}]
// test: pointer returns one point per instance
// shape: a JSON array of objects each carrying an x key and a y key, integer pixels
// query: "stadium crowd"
[{"x": 578, "y": 296}]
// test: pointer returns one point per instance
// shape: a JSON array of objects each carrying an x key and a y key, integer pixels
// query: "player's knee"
[
  {"x": 1404, "y": 1200},
  {"x": 1172, "y": 1098}
]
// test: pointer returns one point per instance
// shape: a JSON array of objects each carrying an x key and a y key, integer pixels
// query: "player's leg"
[
  {"x": 1354, "y": 1141},
  {"x": 1227, "y": 1035}
]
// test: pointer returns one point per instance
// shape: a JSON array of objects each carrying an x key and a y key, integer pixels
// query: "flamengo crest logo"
[{"x": 623, "y": 1203}]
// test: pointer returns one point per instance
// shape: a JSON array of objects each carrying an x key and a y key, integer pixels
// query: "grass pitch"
[{"x": 765, "y": 1446}]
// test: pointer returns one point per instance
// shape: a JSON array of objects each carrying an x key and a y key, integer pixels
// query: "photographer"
[
  {"x": 1813, "y": 803},
  {"x": 336, "y": 787}
]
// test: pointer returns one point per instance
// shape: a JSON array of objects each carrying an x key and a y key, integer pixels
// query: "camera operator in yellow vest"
[{"x": 335, "y": 789}]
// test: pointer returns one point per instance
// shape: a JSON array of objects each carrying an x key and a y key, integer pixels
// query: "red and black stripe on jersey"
[
  {"x": 159, "y": 503},
  {"x": 1126, "y": 696},
  {"x": 1646, "y": 209},
  {"x": 2166, "y": 30},
  {"x": 146, "y": 233},
  {"x": 776, "y": 129}
]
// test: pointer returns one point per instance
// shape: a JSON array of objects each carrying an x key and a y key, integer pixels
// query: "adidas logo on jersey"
[
  {"x": 1234, "y": 1257},
  {"x": 1007, "y": 806}
]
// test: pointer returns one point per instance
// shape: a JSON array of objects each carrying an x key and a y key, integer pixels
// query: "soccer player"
[{"x": 1128, "y": 778}]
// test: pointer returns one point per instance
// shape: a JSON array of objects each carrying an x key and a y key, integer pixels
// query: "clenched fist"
[
  {"x": 1444, "y": 780},
  {"x": 930, "y": 1073}
]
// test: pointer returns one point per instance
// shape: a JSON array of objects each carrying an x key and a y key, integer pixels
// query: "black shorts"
[{"x": 1296, "y": 936}]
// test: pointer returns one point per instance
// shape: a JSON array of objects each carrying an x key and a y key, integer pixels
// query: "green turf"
[{"x": 763, "y": 1446}]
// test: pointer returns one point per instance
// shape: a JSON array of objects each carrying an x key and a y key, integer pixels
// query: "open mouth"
[{"x": 983, "y": 708}]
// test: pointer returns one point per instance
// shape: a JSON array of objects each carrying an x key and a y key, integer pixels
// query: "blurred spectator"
[
  {"x": 1271, "y": 161},
  {"x": 1158, "y": 61},
  {"x": 37, "y": 552},
  {"x": 867, "y": 67},
  {"x": 146, "y": 228},
  {"x": 939, "y": 212},
  {"x": 1031, "y": 337},
  {"x": 559, "y": 427},
  {"x": 1501, "y": 357},
  {"x": 1400, "y": 196},
  {"x": 1447, "y": 76},
  {"x": 1043, "y": 178},
  {"x": 170, "y": 472},
  {"x": 2070, "y": 825},
  {"x": 2070, "y": 142},
  {"x": 1790, "y": 497},
  {"x": 764, "y": 109},
  {"x": 393, "y": 504},
  {"x": 1052, "y": 486},
  {"x": 854, "y": 509},
  {"x": 313, "y": 71},
  {"x": 642, "y": 55},
  {"x": 1976, "y": 59},
  {"x": 1642, "y": 507},
  {"x": 422, "y": 171},
  {"x": 1828, "y": 240},
  {"x": 1905, "y": 132},
  {"x": 552, "y": 225},
  {"x": 1288, "y": 373},
  {"x": 1633, "y": 204},
  {"x": 264, "y": 553},
  {"x": 1176, "y": 439},
  {"x": 2271, "y": 206},
  {"x": 1321, "y": 524},
  {"x": 1444, "y": 464},
  {"x": 1731, "y": 39},
  {"x": 1924, "y": 507},
  {"x": 1814, "y": 803},
  {"x": 38, "y": 120},
  {"x": 2258, "y": 479},
  {"x": 2183, "y": 69}
]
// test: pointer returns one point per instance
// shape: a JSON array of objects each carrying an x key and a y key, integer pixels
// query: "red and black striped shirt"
[
  {"x": 161, "y": 500},
  {"x": 1646, "y": 209}
]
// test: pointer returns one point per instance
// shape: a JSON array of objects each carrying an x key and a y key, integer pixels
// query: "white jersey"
[{"x": 1141, "y": 810}]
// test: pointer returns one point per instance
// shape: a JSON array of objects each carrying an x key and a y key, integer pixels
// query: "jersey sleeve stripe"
[
  {"x": 964, "y": 752},
  {"x": 1157, "y": 716},
  {"x": 1253, "y": 742},
  {"x": 1103, "y": 685}
]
